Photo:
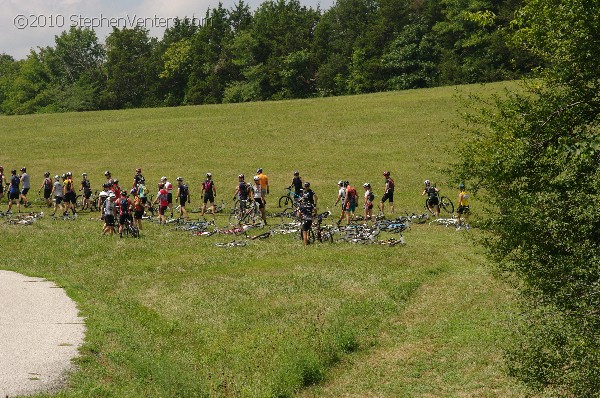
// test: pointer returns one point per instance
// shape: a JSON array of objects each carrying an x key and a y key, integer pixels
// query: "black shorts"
[
  {"x": 463, "y": 210},
  {"x": 13, "y": 195},
  {"x": 58, "y": 199},
  {"x": 71, "y": 197},
  {"x": 306, "y": 225},
  {"x": 87, "y": 194},
  {"x": 433, "y": 201},
  {"x": 162, "y": 209},
  {"x": 170, "y": 198},
  {"x": 123, "y": 218},
  {"x": 260, "y": 203},
  {"x": 24, "y": 191},
  {"x": 388, "y": 195},
  {"x": 144, "y": 200},
  {"x": 209, "y": 198},
  {"x": 182, "y": 200},
  {"x": 47, "y": 193},
  {"x": 109, "y": 219},
  {"x": 138, "y": 214}
]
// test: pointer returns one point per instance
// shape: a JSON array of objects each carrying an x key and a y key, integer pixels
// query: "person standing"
[
  {"x": 138, "y": 209},
  {"x": 2, "y": 182},
  {"x": 463, "y": 207},
  {"x": 47, "y": 187},
  {"x": 369, "y": 198},
  {"x": 26, "y": 184},
  {"x": 163, "y": 203},
  {"x": 351, "y": 200},
  {"x": 87, "y": 191},
  {"x": 125, "y": 207},
  {"x": 388, "y": 193},
  {"x": 109, "y": 214},
  {"x": 259, "y": 196},
  {"x": 13, "y": 191},
  {"x": 208, "y": 193},
  {"x": 138, "y": 178},
  {"x": 57, "y": 192},
  {"x": 169, "y": 188},
  {"x": 297, "y": 185},
  {"x": 264, "y": 183},
  {"x": 70, "y": 197},
  {"x": 183, "y": 196},
  {"x": 307, "y": 210},
  {"x": 433, "y": 202},
  {"x": 241, "y": 192},
  {"x": 341, "y": 198}
]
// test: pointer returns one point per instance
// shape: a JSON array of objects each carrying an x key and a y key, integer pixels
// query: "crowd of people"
[{"x": 129, "y": 204}]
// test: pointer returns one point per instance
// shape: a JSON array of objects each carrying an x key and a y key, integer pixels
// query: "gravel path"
[{"x": 40, "y": 331}]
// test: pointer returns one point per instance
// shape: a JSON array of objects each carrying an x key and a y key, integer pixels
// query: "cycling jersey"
[
  {"x": 25, "y": 181},
  {"x": 257, "y": 191}
]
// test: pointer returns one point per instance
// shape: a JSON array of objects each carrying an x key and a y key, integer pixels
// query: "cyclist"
[
  {"x": 69, "y": 193},
  {"x": 163, "y": 203},
  {"x": 102, "y": 196},
  {"x": 124, "y": 212},
  {"x": 138, "y": 178},
  {"x": 13, "y": 191},
  {"x": 25, "y": 181},
  {"x": 109, "y": 214},
  {"x": 109, "y": 179},
  {"x": 138, "y": 209},
  {"x": 351, "y": 201},
  {"x": 388, "y": 193},
  {"x": 341, "y": 198},
  {"x": 306, "y": 211},
  {"x": 57, "y": 192},
  {"x": 463, "y": 207},
  {"x": 183, "y": 196},
  {"x": 264, "y": 183},
  {"x": 259, "y": 196},
  {"x": 2, "y": 182},
  {"x": 116, "y": 188},
  {"x": 208, "y": 194},
  {"x": 47, "y": 187},
  {"x": 87, "y": 191},
  {"x": 297, "y": 184},
  {"x": 369, "y": 198},
  {"x": 433, "y": 202},
  {"x": 241, "y": 192},
  {"x": 169, "y": 189}
]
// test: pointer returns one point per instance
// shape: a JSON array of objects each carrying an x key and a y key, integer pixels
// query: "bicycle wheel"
[
  {"x": 311, "y": 236},
  {"x": 446, "y": 205},
  {"x": 285, "y": 201},
  {"x": 79, "y": 201}
]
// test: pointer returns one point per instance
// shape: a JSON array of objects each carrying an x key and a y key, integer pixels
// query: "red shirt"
[{"x": 164, "y": 202}]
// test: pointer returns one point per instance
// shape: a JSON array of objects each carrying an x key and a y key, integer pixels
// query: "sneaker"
[
  {"x": 467, "y": 227},
  {"x": 458, "y": 228}
]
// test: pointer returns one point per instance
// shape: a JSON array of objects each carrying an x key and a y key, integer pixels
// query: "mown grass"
[{"x": 171, "y": 315}]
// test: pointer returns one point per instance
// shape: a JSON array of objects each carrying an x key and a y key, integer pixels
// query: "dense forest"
[{"x": 280, "y": 50}]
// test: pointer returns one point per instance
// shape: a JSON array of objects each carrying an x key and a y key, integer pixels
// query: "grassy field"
[{"x": 171, "y": 315}]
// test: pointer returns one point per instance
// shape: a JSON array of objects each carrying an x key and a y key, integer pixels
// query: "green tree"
[{"x": 534, "y": 158}]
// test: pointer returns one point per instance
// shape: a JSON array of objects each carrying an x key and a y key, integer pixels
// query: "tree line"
[{"x": 281, "y": 50}]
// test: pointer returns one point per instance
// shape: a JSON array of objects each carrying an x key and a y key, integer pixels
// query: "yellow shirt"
[
  {"x": 465, "y": 198},
  {"x": 264, "y": 181}
]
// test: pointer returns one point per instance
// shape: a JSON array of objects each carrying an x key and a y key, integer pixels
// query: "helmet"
[
  {"x": 296, "y": 173},
  {"x": 138, "y": 170},
  {"x": 340, "y": 183},
  {"x": 346, "y": 183},
  {"x": 179, "y": 179},
  {"x": 366, "y": 185},
  {"x": 105, "y": 185},
  {"x": 256, "y": 178},
  {"x": 161, "y": 186},
  {"x": 64, "y": 176},
  {"x": 107, "y": 173},
  {"x": 47, "y": 174},
  {"x": 84, "y": 174},
  {"x": 306, "y": 184},
  {"x": 23, "y": 169},
  {"x": 163, "y": 178},
  {"x": 103, "y": 194},
  {"x": 1, "y": 168},
  {"x": 69, "y": 174},
  {"x": 116, "y": 181},
  {"x": 209, "y": 175},
  {"x": 259, "y": 170},
  {"x": 57, "y": 177},
  {"x": 461, "y": 186},
  {"x": 111, "y": 194},
  {"x": 123, "y": 193},
  {"x": 133, "y": 191},
  {"x": 13, "y": 171},
  {"x": 386, "y": 173},
  {"x": 241, "y": 176},
  {"x": 427, "y": 183}
]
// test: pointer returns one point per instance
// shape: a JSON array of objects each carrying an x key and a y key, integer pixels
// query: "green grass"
[{"x": 171, "y": 315}]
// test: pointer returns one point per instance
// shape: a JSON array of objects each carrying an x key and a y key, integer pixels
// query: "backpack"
[
  {"x": 371, "y": 196},
  {"x": 183, "y": 191},
  {"x": 124, "y": 205}
]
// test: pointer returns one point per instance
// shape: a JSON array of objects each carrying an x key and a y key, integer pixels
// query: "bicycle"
[
  {"x": 130, "y": 229},
  {"x": 444, "y": 203},
  {"x": 247, "y": 215},
  {"x": 289, "y": 199}
]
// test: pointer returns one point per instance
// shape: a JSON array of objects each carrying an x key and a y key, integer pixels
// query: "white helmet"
[
  {"x": 112, "y": 195},
  {"x": 209, "y": 175},
  {"x": 103, "y": 194},
  {"x": 57, "y": 177},
  {"x": 256, "y": 178},
  {"x": 427, "y": 183},
  {"x": 366, "y": 185},
  {"x": 163, "y": 178}
]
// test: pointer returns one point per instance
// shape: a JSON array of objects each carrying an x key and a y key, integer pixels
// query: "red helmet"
[{"x": 386, "y": 173}]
